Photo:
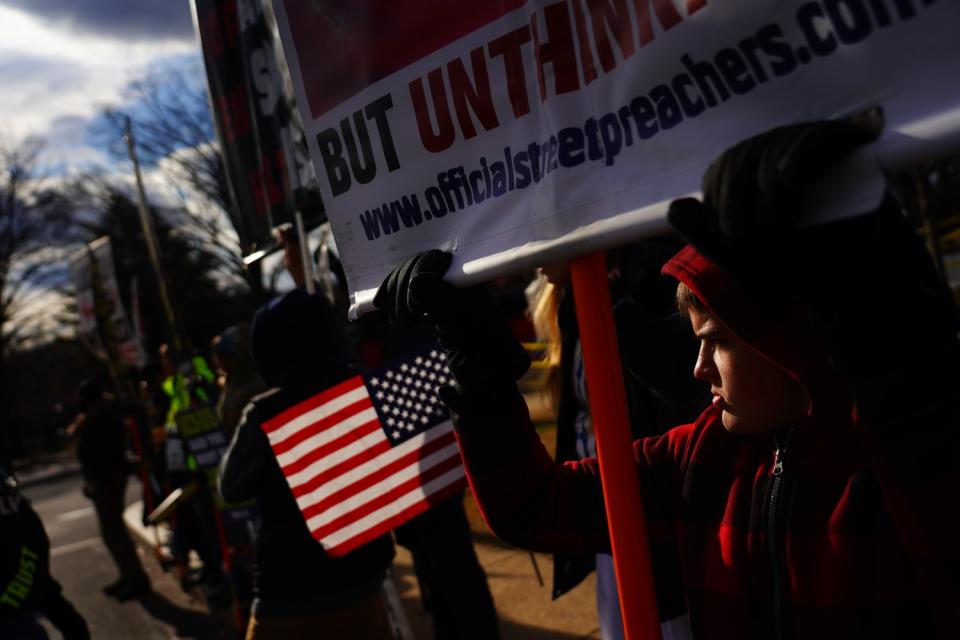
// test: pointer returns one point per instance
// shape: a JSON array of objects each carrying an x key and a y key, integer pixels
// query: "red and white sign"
[
  {"x": 92, "y": 269},
  {"x": 518, "y": 132}
]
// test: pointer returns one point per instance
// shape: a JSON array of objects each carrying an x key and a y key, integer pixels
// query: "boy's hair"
[{"x": 687, "y": 300}]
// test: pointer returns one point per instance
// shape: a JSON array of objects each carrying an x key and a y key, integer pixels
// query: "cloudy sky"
[{"x": 62, "y": 60}]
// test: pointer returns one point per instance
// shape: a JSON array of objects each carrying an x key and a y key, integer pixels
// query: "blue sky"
[{"x": 63, "y": 60}]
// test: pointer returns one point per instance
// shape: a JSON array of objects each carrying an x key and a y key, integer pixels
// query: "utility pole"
[
  {"x": 150, "y": 237},
  {"x": 308, "y": 272}
]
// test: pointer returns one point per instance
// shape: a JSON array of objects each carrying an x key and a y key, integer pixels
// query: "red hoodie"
[{"x": 832, "y": 547}]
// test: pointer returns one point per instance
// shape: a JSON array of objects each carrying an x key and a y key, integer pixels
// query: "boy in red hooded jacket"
[{"x": 814, "y": 497}]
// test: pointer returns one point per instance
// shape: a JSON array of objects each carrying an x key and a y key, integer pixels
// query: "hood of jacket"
[
  {"x": 781, "y": 332},
  {"x": 298, "y": 342}
]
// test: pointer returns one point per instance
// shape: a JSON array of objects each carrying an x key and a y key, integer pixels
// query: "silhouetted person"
[{"x": 101, "y": 449}]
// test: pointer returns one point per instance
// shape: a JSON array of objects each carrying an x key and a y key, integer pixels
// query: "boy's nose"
[{"x": 703, "y": 369}]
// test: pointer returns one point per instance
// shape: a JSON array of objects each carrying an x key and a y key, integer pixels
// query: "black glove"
[
  {"x": 758, "y": 187},
  {"x": 483, "y": 354},
  {"x": 753, "y": 196}
]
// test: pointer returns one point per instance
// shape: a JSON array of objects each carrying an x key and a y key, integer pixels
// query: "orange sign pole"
[{"x": 618, "y": 468}]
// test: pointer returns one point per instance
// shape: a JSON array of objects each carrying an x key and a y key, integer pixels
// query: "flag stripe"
[
  {"x": 402, "y": 470},
  {"x": 375, "y": 531},
  {"x": 322, "y": 444},
  {"x": 314, "y": 409},
  {"x": 360, "y": 478},
  {"x": 357, "y": 452},
  {"x": 375, "y": 499},
  {"x": 320, "y": 473},
  {"x": 320, "y": 426},
  {"x": 323, "y": 471},
  {"x": 333, "y": 536}
]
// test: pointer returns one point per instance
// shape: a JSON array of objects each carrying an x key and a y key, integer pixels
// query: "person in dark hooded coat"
[{"x": 301, "y": 349}]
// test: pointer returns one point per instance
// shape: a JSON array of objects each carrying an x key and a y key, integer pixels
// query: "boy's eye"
[{"x": 714, "y": 343}]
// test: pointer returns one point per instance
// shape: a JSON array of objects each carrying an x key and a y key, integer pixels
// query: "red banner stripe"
[{"x": 344, "y": 47}]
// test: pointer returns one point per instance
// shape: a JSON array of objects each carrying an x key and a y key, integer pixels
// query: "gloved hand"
[
  {"x": 753, "y": 197},
  {"x": 482, "y": 352}
]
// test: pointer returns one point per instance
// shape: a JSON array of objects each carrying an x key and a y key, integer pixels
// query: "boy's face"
[{"x": 755, "y": 395}]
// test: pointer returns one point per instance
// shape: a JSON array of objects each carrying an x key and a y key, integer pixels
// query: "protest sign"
[
  {"x": 264, "y": 152},
  {"x": 204, "y": 436},
  {"x": 105, "y": 329},
  {"x": 202, "y": 433},
  {"x": 524, "y": 131}
]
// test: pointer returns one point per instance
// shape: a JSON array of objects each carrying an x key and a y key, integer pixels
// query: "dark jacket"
[
  {"x": 243, "y": 383},
  {"x": 101, "y": 443},
  {"x": 852, "y": 540},
  {"x": 26, "y": 586},
  {"x": 300, "y": 348}
]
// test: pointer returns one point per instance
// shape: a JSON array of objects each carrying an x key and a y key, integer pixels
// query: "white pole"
[{"x": 308, "y": 280}]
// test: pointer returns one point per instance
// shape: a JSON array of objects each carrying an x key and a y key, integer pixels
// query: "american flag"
[{"x": 370, "y": 453}]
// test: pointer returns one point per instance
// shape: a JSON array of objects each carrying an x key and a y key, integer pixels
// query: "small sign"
[{"x": 203, "y": 434}]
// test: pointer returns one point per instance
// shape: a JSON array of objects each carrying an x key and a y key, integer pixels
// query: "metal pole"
[
  {"x": 618, "y": 467},
  {"x": 150, "y": 237},
  {"x": 308, "y": 280}
]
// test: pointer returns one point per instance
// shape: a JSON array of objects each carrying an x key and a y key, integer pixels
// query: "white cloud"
[{"x": 53, "y": 76}]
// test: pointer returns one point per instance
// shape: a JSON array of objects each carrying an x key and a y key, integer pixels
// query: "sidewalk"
[
  {"x": 525, "y": 609},
  {"x": 51, "y": 467}
]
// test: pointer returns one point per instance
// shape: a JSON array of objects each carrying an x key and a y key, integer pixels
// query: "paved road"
[{"x": 80, "y": 561}]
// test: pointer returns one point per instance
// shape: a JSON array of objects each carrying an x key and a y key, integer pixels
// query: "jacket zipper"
[{"x": 773, "y": 531}]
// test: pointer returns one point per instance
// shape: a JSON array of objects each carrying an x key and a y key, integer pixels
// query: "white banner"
[
  {"x": 88, "y": 266},
  {"x": 517, "y": 132}
]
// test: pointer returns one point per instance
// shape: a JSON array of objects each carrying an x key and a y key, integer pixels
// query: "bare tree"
[
  {"x": 206, "y": 287},
  {"x": 170, "y": 114},
  {"x": 35, "y": 221}
]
